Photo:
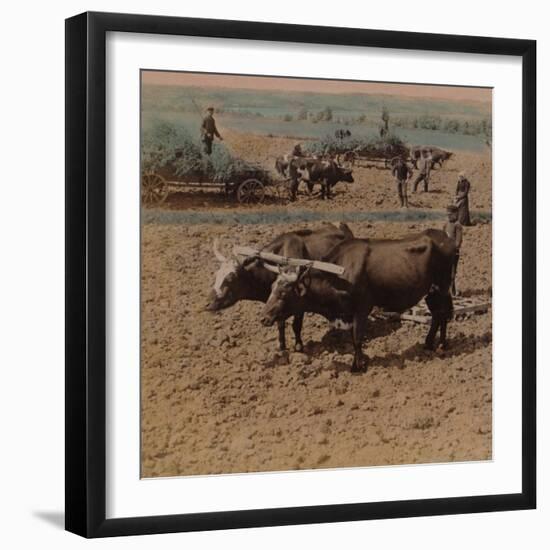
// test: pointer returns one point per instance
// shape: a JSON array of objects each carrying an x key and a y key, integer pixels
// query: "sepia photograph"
[{"x": 316, "y": 274}]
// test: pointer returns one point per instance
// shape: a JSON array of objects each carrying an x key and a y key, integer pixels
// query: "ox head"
[
  {"x": 229, "y": 282},
  {"x": 346, "y": 174},
  {"x": 289, "y": 286}
]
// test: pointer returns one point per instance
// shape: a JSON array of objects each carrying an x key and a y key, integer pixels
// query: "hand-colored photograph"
[{"x": 316, "y": 274}]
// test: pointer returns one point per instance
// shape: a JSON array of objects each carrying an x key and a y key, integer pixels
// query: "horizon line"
[{"x": 453, "y": 93}]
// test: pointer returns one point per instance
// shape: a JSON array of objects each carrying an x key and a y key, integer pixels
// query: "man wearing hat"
[
  {"x": 209, "y": 130},
  {"x": 425, "y": 167},
  {"x": 454, "y": 232},
  {"x": 461, "y": 199},
  {"x": 402, "y": 172}
]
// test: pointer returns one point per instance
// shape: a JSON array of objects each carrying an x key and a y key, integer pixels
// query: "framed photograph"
[{"x": 300, "y": 274}]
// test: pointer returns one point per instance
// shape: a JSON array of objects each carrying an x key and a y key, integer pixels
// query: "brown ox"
[
  {"x": 248, "y": 279},
  {"x": 391, "y": 274}
]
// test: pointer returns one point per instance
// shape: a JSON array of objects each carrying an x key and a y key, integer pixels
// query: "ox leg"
[
  {"x": 297, "y": 328},
  {"x": 446, "y": 315},
  {"x": 430, "y": 338},
  {"x": 324, "y": 189},
  {"x": 358, "y": 334},
  {"x": 441, "y": 307},
  {"x": 282, "y": 335},
  {"x": 293, "y": 188},
  {"x": 329, "y": 189},
  {"x": 443, "y": 333}
]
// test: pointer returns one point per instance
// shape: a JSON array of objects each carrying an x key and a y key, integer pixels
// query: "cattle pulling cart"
[{"x": 248, "y": 185}]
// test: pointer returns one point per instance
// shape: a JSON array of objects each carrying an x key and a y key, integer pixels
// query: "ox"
[
  {"x": 439, "y": 156},
  {"x": 325, "y": 172},
  {"x": 391, "y": 274},
  {"x": 249, "y": 279}
]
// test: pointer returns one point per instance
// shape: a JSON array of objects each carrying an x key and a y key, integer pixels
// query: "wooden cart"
[{"x": 248, "y": 187}]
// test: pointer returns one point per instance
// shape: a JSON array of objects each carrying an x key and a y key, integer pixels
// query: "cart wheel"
[
  {"x": 154, "y": 189},
  {"x": 251, "y": 191}
]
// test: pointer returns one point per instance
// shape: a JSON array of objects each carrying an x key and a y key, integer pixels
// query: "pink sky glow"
[{"x": 453, "y": 93}]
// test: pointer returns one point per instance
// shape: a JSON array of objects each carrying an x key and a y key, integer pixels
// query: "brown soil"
[{"x": 217, "y": 396}]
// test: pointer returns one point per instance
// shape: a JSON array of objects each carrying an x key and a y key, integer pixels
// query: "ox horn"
[{"x": 217, "y": 252}]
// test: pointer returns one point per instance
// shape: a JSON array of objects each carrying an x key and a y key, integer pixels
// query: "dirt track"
[{"x": 218, "y": 397}]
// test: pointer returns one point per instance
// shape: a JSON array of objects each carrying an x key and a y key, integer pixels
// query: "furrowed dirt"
[{"x": 218, "y": 396}]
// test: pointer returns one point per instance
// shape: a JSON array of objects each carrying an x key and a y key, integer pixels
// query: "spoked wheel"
[
  {"x": 154, "y": 189},
  {"x": 251, "y": 191}
]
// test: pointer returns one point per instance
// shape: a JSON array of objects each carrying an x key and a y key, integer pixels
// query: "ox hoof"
[
  {"x": 444, "y": 345},
  {"x": 279, "y": 359},
  {"x": 362, "y": 369},
  {"x": 359, "y": 367},
  {"x": 429, "y": 346},
  {"x": 299, "y": 347}
]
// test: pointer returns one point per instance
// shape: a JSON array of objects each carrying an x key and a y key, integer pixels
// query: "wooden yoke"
[{"x": 283, "y": 260}]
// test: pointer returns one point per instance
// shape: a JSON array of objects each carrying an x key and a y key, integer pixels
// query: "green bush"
[
  {"x": 389, "y": 145},
  {"x": 169, "y": 145},
  {"x": 468, "y": 127}
]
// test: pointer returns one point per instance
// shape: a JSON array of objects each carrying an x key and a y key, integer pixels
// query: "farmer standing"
[
  {"x": 453, "y": 228},
  {"x": 425, "y": 167},
  {"x": 209, "y": 130},
  {"x": 297, "y": 151},
  {"x": 462, "y": 201},
  {"x": 401, "y": 171}
]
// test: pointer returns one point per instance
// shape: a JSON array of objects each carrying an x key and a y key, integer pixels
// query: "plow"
[{"x": 463, "y": 308}]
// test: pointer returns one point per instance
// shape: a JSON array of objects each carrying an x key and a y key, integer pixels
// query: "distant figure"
[
  {"x": 401, "y": 171},
  {"x": 209, "y": 130},
  {"x": 342, "y": 134},
  {"x": 425, "y": 167},
  {"x": 282, "y": 163},
  {"x": 297, "y": 151},
  {"x": 461, "y": 199},
  {"x": 453, "y": 228}
]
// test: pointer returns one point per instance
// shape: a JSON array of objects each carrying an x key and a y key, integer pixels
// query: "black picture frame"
[{"x": 86, "y": 273}]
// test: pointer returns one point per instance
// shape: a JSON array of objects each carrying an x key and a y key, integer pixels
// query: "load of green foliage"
[
  {"x": 169, "y": 147},
  {"x": 387, "y": 147}
]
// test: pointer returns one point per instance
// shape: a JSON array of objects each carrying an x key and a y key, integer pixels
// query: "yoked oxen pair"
[
  {"x": 391, "y": 274},
  {"x": 327, "y": 173},
  {"x": 248, "y": 278}
]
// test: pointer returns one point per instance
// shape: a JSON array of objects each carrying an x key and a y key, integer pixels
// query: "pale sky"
[{"x": 453, "y": 93}]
